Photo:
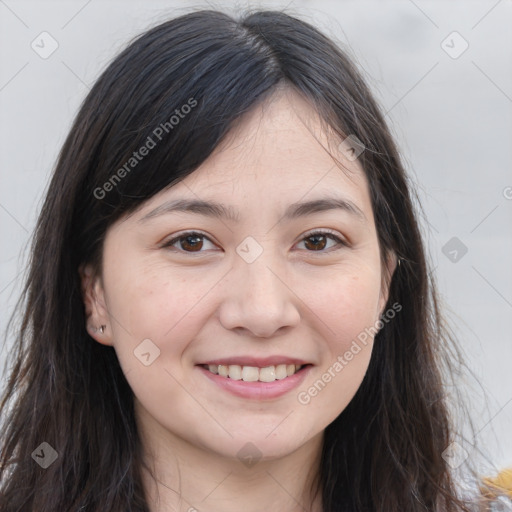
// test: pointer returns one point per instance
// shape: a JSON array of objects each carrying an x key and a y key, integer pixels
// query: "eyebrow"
[{"x": 221, "y": 211}]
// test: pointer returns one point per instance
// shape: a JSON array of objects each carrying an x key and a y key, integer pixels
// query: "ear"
[
  {"x": 97, "y": 317},
  {"x": 387, "y": 276}
]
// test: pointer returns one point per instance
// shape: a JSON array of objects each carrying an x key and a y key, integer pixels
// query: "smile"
[
  {"x": 264, "y": 382},
  {"x": 254, "y": 373}
]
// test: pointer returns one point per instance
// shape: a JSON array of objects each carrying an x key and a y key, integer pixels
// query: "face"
[{"x": 259, "y": 283}]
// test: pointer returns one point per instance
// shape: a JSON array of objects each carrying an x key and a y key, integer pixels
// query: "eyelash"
[{"x": 330, "y": 234}]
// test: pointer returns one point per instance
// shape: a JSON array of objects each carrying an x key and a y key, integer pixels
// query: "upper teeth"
[{"x": 253, "y": 373}]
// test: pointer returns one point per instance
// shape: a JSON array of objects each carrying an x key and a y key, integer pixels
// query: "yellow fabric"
[{"x": 499, "y": 485}]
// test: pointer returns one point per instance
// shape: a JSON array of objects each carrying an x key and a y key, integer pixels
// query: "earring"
[{"x": 101, "y": 329}]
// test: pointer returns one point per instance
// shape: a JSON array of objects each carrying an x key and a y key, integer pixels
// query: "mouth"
[
  {"x": 256, "y": 379},
  {"x": 247, "y": 373}
]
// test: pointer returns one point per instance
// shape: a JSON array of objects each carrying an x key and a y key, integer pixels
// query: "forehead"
[
  {"x": 276, "y": 158},
  {"x": 281, "y": 148}
]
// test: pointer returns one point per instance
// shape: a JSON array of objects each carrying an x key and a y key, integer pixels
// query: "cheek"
[
  {"x": 154, "y": 302},
  {"x": 346, "y": 308},
  {"x": 326, "y": 396},
  {"x": 345, "y": 305}
]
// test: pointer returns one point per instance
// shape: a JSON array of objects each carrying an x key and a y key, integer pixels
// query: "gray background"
[{"x": 452, "y": 118}]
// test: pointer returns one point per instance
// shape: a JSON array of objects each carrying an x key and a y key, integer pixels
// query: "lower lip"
[{"x": 258, "y": 390}]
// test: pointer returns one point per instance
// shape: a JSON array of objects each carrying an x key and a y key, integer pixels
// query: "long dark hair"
[{"x": 384, "y": 451}]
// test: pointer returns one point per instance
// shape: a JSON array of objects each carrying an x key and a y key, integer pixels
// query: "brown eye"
[
  {"x": 318, "y": 241},
  {"x": 191, "y": 243},
  {"x": 188, "y": 242}
]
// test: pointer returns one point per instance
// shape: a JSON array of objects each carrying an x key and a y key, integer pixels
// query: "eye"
[
  {"x": 317, "y": 240},
  {"x": 189, "y": 242},
  {"x": 193, "y": 241}
]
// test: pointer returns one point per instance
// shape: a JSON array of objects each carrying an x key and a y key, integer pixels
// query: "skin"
[{"x": 292, "y": 300}]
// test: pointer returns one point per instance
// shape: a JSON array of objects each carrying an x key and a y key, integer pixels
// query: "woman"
[{"x": 228, "y": 304}]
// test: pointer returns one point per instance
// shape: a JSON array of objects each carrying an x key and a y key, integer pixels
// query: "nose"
[{"x": 258, "y": 300}]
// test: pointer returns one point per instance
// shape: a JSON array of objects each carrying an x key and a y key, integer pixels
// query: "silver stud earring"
[{"x": 101, "y": 329}]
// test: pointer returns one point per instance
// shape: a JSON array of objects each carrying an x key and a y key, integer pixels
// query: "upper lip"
[{"x": 259, "y": 362}]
